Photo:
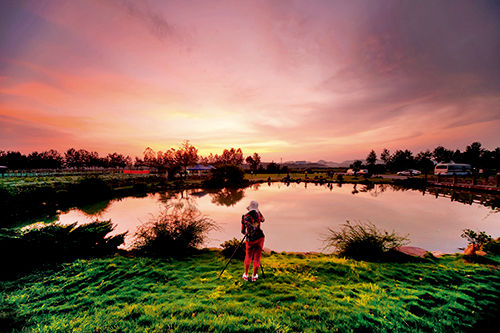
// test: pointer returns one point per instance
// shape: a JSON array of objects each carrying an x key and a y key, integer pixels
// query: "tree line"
[
  {"x": 173, "y": 159},
  {"x": 52, "y": 159},
  {"x": 474, "y": 154}
]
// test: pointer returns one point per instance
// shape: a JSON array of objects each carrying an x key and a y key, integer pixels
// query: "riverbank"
[{"x": 314, "y": 293}]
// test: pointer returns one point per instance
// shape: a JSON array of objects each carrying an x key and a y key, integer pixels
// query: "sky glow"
[{"x": 288, "y": 79}]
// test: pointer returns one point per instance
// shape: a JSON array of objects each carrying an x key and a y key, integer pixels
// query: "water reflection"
[
  {"x": 227, "y": 196},
  {"x": 298, "y": 215},
  {"x": 96, "y": 209}
]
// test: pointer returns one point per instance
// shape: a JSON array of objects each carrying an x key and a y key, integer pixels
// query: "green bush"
[
  {"x": 175, "y": 232},
  {"x": 42, "y": 243},
  {"x": 492, "y": 246},
  {"x": 229, "y": 246},
  {"x": 363, "y": 241},
  {"x": 478, "y": 239}
]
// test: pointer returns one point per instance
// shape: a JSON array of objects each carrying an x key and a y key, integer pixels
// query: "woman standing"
[{"x": 250, "y": 225}]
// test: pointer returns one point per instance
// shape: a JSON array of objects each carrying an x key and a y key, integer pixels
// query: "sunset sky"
[{"x": 288, "y": 79}]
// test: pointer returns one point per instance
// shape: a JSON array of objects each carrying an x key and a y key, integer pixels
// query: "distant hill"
[
  {"x": 318, "y": 164},
  {"x": 344, "y": 164}
]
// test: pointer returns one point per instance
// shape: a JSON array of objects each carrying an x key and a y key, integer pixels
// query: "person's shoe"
[
  {"x": 245, "y": 277},
  {"x": 255, "y": 277}
]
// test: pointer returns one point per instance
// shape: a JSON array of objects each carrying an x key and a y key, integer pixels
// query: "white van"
[{"x": 450, "y": 169}]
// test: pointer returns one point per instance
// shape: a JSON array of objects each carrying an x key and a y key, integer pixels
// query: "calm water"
[{"x": 298, "y": 215}]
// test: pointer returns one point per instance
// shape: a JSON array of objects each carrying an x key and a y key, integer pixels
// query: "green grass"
[
  {"x": 294, "y": 175},
  {"x": 43, "y": 181},
  {"x": 300, "y": 293}
]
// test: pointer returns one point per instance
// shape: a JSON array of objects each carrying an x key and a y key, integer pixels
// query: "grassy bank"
[
  {"x": 317, "y": 176},
  {"x": 311, "y": 293}
]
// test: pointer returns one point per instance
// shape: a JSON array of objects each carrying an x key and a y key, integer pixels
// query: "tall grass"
[
  {"x": 363, "y": 241},
  {"x": 177, "y": 231}
]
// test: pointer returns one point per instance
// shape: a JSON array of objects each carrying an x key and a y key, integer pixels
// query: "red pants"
[{"x": 254, "y": 251}]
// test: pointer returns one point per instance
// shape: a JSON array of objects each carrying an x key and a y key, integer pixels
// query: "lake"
[{"x": 299, "y": 215}]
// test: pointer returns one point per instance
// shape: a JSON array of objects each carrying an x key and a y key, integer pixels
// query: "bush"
[
  {"x": 229, "y": 246},
  {"x": 363, "y": 241},
  {"x": 477, "y": 239},
  {"x": 492, "y": 247},
  {"x": 43, "y": 243},
  {"x": 226, "y": 176},
  {"x": 175, "y": 232}
]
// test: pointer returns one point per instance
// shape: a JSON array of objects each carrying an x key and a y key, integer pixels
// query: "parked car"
[
  {"x": 363, "y": 172},
  {"x": 409, "y": 172}
]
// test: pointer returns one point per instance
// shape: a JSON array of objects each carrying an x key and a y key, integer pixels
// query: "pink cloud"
[{"x": 318, "y": 79}]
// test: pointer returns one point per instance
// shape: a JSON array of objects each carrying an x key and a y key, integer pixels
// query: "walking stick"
[
  {"x": 262, "y": 269},
  {"x": 244, "y": 237}
]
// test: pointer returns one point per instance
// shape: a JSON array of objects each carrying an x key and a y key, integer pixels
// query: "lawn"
[{"x": 299, "y": 293}]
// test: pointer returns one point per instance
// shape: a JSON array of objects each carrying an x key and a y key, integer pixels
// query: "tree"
[
  {"x": 149, "y": 157},
  {"x": 371, "y": 159},
  {"x": 254, "y": 161},
  {"x": 52, "y": 159},
  {"x": 356, "y": 165},
  {"x": 13, "y": 160},
  {"x": 424, "y": 162},
  {"x": 401, "y": 160},
  {"x": 72, "y": 158},
  {"x": 231, "y": 157},
  {"x": 185, "y": 156},
  {"x": 473, "y": 154},
  {"x": 385, "y": 156},
  {"x": 116, "y": 160},
  {"x": 272, "y": 167},
  {"x": 442, "y": 155}
]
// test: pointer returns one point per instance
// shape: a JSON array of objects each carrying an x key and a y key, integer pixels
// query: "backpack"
[{"x": 252, "y": 220}]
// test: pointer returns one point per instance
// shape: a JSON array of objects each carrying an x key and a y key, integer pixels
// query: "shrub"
[
  {"x": 226, "y": 176},
  {"x": 477, "y": 239},
  {"x": 492, "y": 246},
  {"x": 363, "y": 241},
  {"x": 229, "y": 246},
  {"x": 175, "y": 232},
  {"x": 43, "y": 243}
]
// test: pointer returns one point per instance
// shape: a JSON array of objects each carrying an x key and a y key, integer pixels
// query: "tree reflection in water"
[
  {"x": 96, "y": 209},
  {"x": 179, "y": 200},
  {"x": 466, "y": 197},
  {"x": 227, "y": 196}
]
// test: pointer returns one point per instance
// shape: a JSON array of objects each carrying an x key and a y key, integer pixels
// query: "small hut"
[{"x": 200, "y": 170}]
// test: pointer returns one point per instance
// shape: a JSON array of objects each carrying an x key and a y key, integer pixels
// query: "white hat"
[{"x": 254, "y": 205}]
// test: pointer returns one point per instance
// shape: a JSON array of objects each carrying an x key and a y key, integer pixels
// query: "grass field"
[
  {"x": 311, "y": 177},
  {"x": 44, "y": 181},
  {"x": 299, "y": 293}
]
